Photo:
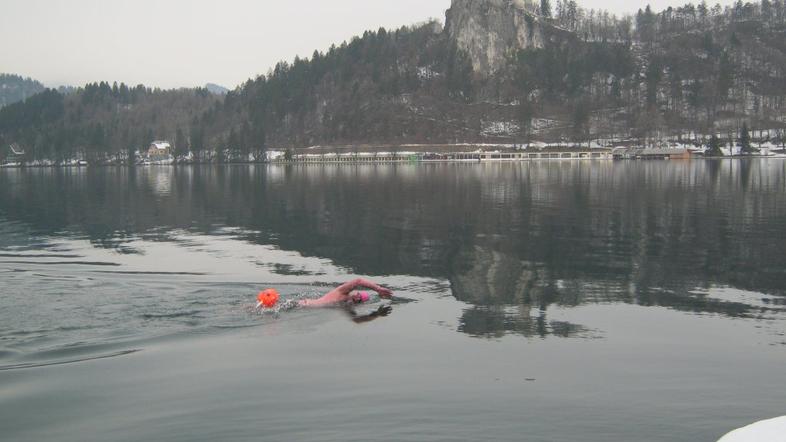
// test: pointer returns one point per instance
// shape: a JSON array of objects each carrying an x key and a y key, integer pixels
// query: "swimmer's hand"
[
  {"x": 383, "y": 310},
  {"x": 385, "y": 293}
]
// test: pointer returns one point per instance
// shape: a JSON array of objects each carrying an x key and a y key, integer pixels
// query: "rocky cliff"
[{"x": 491, "y": 30}]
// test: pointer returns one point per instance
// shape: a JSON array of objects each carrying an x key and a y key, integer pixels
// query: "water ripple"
[
  {"x": 49, "y": 255},
  {"x": 86, "y": 263},
  {"x": 68, "y": 361},
  {"x": 187, "y": 314}
]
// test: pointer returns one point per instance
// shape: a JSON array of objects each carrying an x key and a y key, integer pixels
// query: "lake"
[{"x": 538, "y": 301}]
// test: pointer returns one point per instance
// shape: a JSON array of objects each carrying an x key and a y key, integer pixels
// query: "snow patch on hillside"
[{"x": 499, "y": 128}]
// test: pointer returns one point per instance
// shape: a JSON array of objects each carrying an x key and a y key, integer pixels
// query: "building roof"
[
  {"x": 160, "y": 145},
  {"x": 649, "y": 151},
  {"x": 13, "y": 148},
  {"x": 661, "y": 151}
]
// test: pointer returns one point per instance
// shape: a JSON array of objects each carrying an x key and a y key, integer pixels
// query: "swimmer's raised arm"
[{"x": 347, "y": 287}]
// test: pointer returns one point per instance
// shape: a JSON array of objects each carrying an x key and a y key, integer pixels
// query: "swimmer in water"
[{"x": 347, "y": 297}]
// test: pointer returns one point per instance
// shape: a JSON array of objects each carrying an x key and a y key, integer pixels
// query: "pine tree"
[
  {"x": 581, "y": 120},
  {"x": 713, "y": 149},
  {"x": 545, "y": 8},
  {"x": 181, "y": 145},
  {"x": 459, "y": 73},
  {"x": 745, "y": 140},
  {"x": 246, "y": 141},
  {"x": 703, "y": 11},
  {"x": 653, "y": 76},
  {"x": 260, "y": 142},
  {"x": 572, "y": 14},
  {"x": 725, "y": 75},
  {"x": 739, "y": 9},
  {"x": 766, "y": 9},
  {"x": 782, "y": 136},
  {"x": 525, "y": 113},
  {"x": 97, "y": 142},
  {"x": 196, "y": 133}
]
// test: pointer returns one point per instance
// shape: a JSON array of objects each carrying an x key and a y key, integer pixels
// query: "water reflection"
[
  {"x": 497, "y": 321},
  {"x": 512, "y": 239}
]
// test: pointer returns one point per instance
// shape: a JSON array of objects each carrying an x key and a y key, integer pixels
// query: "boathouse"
[
  {"x": 645, "y": 153},
  {"x": 436, "y": 153}
]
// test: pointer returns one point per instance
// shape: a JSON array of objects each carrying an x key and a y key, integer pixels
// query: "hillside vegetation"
[
  {"x": 14, "y": 88},
  {"x": 551, "y": 73}
]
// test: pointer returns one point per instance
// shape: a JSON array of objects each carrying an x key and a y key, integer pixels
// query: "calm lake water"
[{"x": 552, "y": 301}]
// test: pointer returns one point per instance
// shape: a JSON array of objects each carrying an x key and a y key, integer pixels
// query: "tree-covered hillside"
[
  {"x": 381, "y": 87},
  {"x": 14, "y": 88},
  {"x": 556, "y": 72},
  {"x": 586, "y": 75},
  {"x": 100, "y": 121}
]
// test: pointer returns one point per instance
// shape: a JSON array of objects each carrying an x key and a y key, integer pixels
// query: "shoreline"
[
  {"x": 378, "y": 154},
  {"x": 403, "y": 160},
  {"x": 408, "y": 153}
]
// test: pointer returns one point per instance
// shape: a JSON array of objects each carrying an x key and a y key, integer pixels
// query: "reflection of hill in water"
[
  {"x": 526, "y": 235},
  {"x": 493, "y": 322}
]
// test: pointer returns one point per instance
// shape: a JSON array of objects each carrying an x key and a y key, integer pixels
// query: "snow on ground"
[
  {"x": 499, "y": 128},
  {"x": 274, "y": 154},
  {"x": 773, "y": 430},
  {"x": 731, "y": 150},
  {"x": 426, "y": 73},
  {"x": 539, "y": 124}
]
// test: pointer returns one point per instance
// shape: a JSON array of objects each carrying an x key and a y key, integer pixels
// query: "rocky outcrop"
[{"x": 490, "y": 31}]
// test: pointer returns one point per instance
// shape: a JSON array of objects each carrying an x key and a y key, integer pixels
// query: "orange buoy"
[{"x": 267, "y": 297}]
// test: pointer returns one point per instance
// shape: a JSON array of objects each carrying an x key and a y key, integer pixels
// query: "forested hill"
[
  {"x": 102, "y": 121},
  {"x": 14, "y": 88},
  {"x": 497, "y": 71},
  {"x": 514, "y": 70}
]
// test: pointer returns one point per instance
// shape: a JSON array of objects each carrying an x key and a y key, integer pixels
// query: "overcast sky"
[{"x": 176, "y": 43}]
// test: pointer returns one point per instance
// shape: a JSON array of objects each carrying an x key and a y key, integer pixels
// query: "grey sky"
[{"x": 174, "y": 43}]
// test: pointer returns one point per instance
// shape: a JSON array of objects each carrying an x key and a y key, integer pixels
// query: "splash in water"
[{"x": 291, "y": 302}]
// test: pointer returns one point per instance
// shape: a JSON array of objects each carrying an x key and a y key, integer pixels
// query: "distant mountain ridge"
[
  {"x": 216, "y": 89},
  {"x": 14, "y": 88}
]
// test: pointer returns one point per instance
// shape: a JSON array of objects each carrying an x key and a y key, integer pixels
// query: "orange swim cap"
[{"x": 268, "y": 297}]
